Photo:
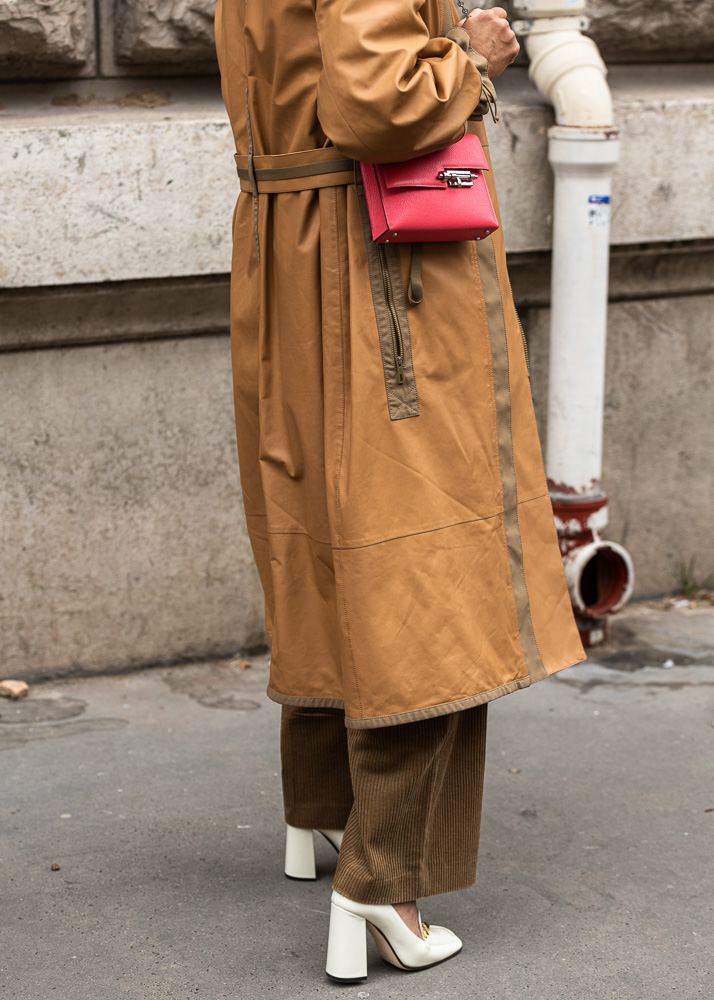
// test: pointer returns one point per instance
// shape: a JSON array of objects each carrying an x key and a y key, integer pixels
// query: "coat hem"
[
  {"x": 417, "y": 714},
  {"x": 303, "y": 701}
]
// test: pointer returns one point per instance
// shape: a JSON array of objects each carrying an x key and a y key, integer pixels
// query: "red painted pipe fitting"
[{"x": 600, "y": 573}]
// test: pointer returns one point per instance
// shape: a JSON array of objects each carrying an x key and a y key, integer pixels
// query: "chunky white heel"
[
  {"x": 396, "y": 944},
  {"x": 300, "y": 851},
  {"x": 299, "y": 854},
  {"x": 346, "y": 946}
]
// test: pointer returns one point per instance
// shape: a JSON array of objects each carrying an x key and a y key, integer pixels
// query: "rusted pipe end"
[
  {"x": 599, "y": 572},
  {"x": 600, "y": 578}
]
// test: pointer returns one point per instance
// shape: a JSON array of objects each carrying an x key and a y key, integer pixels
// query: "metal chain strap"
[{"x": 479, "y": 5}]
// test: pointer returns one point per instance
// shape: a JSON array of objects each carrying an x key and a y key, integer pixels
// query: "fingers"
[
  {"x": 496, "y": 14},
  {"x": 492, "y": 36}
]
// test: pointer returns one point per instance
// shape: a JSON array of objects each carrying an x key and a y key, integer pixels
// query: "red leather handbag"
[{"x": 434, "y": 198}]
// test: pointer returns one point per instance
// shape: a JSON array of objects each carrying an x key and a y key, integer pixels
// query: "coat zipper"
[
  {"x": 525, "y": 345},
  {"x": 397, "y": 339},
  {"x": 520, "y": 327}
]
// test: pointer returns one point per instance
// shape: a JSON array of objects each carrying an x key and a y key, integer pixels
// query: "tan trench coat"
[{"x": 391, "y": 470}]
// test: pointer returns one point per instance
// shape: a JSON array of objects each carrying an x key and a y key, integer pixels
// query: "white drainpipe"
[{"x": 582, "y": 148}]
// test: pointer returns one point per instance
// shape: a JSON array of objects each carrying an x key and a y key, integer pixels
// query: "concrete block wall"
[{"x": 122, "y": 540}]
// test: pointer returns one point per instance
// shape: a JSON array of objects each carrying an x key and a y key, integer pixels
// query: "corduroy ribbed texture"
[
  {"x": 317, "y": 789},
  {"x": 413, "y": 827}
]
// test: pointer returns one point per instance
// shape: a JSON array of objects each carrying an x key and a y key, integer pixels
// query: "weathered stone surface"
[
  {"x": 121, "y": 310},
  {"x": 657, "y": 110},
  {"x": 144, "y": 193},
  {"x": 149, "y": 193},
  {"x": 121, "y": 531},
  {"x": 38, "y": 37},
  {"x": 158, "y": 31},
  {"x": 635, "y": 272},
  {"x": 645, "y": 31},
  {"x": 658, "y": 436}
]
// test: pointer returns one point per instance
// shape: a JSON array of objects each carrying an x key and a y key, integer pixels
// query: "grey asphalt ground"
[{"x": 158, "y": 795}]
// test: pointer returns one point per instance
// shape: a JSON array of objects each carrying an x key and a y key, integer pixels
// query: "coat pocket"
[{"x": 390, "y": 310}]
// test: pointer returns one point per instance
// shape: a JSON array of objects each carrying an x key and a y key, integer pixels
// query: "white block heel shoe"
[
  {"x": 300, "y": 851},
  {"x": 396, "y": 944}
]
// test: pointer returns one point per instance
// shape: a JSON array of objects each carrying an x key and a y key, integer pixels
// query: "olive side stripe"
[{"x": 488, "y": 268}]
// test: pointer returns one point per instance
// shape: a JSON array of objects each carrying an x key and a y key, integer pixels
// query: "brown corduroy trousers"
[{"x": 408, "y": 797}]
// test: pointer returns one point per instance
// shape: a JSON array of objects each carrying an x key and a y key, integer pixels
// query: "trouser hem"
[{"x": 403, "y": 891}]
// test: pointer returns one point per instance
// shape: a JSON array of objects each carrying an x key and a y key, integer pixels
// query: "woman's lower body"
[{"x": 408, "y": 797}]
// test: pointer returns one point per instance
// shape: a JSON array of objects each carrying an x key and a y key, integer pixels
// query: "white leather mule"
[
  {"x": 300, "y": 851},
  {"x": 347, "y": 941}
]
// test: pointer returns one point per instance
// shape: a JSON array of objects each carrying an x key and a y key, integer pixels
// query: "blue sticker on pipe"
[{"x": 599, "y": 210}]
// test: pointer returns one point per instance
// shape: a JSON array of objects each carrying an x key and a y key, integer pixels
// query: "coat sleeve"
[{"x": 388, "y": 91}]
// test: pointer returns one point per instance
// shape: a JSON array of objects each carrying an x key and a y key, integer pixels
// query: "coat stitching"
[
  {"x": 444, "y": 707},
  {"x": 409, "y": 534},
  {"x": 398, "y": 718},
  {"x": 338, "y": 511}
]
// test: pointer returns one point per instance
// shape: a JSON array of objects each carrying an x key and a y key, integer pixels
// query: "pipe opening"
[{"x": 604, "y": 580}]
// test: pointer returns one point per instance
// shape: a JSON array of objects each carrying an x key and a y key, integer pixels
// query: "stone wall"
[
  {"x": 646, "y": 31},
  {"x": 157, "y": 37},
  {"x": 39, "y": 38},
  {"x": 643, "y": 30},
  {"x": 158, "y": 31}
]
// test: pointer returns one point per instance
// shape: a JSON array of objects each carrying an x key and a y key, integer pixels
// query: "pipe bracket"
[
  {"x": 544, "y": 25},
  {"x": 550, "y": 8}
]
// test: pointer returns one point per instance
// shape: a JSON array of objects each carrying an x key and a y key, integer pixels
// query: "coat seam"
[
  {"x": 409, "y": 534},
  {"x": 338, "y": 509},
  {"x": 427, "y": 531}
]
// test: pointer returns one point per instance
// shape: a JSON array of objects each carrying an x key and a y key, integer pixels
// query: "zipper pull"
[{"x": 400, "y": 370}]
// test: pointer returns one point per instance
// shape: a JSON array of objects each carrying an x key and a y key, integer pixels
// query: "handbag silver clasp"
[{"x": 457, "y": 178}]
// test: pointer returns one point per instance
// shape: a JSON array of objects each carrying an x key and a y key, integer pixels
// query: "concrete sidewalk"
[{"x": 158, "y": 795}]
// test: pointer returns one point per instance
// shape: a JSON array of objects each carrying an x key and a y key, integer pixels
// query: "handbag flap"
[{"x": 423, "y": 171}]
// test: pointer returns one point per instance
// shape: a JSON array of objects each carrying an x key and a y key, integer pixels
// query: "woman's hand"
[{"x": 491, "y": 36}]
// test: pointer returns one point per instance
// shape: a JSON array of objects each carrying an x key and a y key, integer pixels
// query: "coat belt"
[
  {"x": 307, "y": 170},
  {"x": 301, "y": 171}
]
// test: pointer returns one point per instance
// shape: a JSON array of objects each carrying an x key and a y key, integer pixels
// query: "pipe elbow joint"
[{"x": 568, "y": 70}]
